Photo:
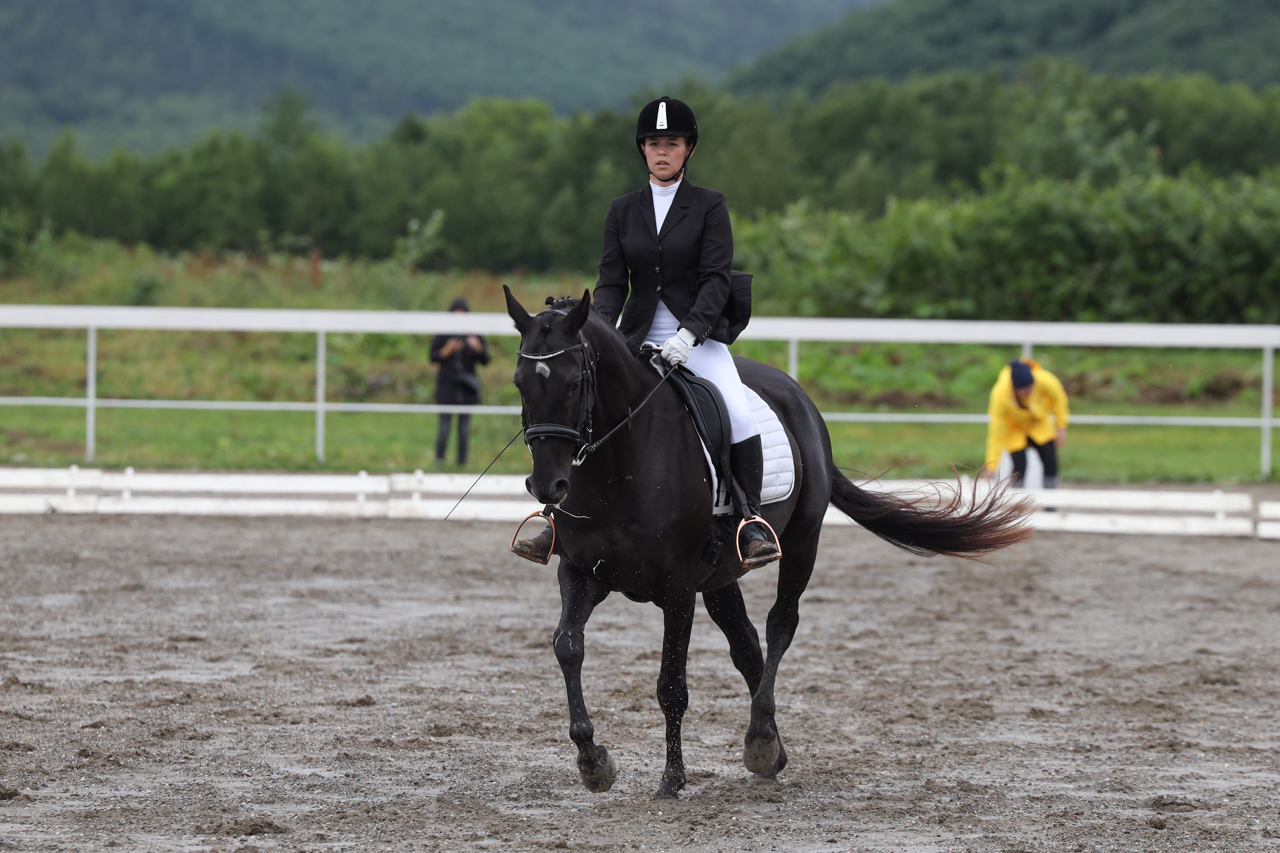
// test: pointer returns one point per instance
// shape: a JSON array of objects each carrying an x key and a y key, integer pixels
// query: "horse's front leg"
[
  {"x": 673, "y": 691},
  {"x": 579, "y": 595}
]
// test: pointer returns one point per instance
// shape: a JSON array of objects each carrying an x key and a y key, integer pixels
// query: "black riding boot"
[
  {"x": 538, "y": 548},
  {"x": 746, "y": 461}
]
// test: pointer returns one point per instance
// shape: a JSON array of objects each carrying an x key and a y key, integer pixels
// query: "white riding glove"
[{"x": 678, "y": 347}]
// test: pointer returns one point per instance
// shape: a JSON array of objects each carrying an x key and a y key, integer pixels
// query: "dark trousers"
[
  {"x": 464, "y": 436},
  {"x": 1048, "y": 457}
]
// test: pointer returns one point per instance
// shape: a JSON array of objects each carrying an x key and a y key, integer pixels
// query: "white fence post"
[
  {"x": 1268, "y": 396},
  {"x": 320, "y": 395},
  {"x": 1027, "y": 349},
  {"x": 91, "y": 397},
  {"x": 793, "y": 358}
]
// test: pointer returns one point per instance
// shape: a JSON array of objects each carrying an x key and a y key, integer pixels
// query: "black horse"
[{"x": 634, "y": 513}]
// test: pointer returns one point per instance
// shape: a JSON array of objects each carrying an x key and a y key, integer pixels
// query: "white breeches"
[{"x": 712, "y": 361}]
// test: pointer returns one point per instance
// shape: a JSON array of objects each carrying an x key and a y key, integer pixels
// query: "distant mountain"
[
  {"x": 154, "y": 73},
  {"x": 1233, "y": 40}
]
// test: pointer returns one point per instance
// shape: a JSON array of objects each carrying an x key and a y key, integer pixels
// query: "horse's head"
[{"x": 554, "y": 375}]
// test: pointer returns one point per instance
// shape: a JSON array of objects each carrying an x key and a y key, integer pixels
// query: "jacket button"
[
  {"x": 657, "y": 269},
  {"x": 659, "y": 288}
]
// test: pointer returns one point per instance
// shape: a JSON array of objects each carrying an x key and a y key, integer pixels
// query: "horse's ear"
[
  {"x": 577, "y": 318},
  {"x": 516, "y": 310}
]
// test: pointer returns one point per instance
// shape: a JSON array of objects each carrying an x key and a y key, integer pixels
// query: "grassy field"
[
  {"x": 394, "y": 368},
  {"x": 382, "y": 443}
]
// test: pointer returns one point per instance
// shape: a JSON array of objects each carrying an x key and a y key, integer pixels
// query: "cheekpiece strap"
[{"x": 582, "y": 433}]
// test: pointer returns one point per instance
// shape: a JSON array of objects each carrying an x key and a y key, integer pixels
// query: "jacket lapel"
[
  {"x": 679, "y": 208},
  {"x": 645, "y": 197}
]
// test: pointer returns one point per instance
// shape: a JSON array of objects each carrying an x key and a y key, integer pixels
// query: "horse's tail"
[{"x": 951, "y": 525}]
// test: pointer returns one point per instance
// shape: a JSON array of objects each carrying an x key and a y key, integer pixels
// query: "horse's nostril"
[{"x": 552, "y": 494}]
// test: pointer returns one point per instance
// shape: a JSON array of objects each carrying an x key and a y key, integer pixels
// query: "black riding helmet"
[{"x": 667, "y": 117}]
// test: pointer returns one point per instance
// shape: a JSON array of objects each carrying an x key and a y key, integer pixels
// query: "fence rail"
[{"x": 793, "y": 330}]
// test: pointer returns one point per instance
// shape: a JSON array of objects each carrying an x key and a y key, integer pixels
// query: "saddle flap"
[{"x": 710, "y": 416}]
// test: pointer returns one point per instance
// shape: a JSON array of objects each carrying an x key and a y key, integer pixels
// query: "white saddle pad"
[{"x": 779, "y": 466}]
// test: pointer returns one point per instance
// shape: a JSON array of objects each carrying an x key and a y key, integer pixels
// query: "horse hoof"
[
  {"x": 670, "y": 785},
  {"x": 668, "y": 790},
  {"x": 600, "y": 779},
  {"x": 762, "y": 758}
]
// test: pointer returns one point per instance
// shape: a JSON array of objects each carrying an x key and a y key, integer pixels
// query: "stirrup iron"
[
  {"x": 759, "y": 561},
  {"x": 545, "y": 515}
]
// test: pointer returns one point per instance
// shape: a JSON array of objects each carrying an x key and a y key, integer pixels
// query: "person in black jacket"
[
  {"x": 457, "y": 383},
  {"x": 665, "y": 271}
]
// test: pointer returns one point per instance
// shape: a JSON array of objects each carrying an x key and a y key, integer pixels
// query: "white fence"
[
  {"x": 790, "y": 329},
  {"x": 503, "y": 498}
]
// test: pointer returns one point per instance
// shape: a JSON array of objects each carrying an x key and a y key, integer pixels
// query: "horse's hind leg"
[
  {"x": 763, "y": 752},
  {"x": 579, "y": 595},
  {"x": 727, "y": 609}
]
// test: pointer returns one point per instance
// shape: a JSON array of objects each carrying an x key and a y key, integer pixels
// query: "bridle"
[{"x": 581, "y": 434}]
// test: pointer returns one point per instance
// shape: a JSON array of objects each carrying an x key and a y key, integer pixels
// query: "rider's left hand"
[{"x": 678, "y": 347}]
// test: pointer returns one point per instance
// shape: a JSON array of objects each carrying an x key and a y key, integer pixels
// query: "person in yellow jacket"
[{"x": 1028, "y": 409}]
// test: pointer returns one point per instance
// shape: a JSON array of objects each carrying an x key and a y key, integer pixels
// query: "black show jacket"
[{"x": 686, "y": 266}]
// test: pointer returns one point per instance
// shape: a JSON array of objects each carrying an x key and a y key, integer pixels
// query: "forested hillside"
[
  {"x": 1232, "y": 40},
  {"x": 151, "y": 74},
  {"x": 1062, "y": 196}
]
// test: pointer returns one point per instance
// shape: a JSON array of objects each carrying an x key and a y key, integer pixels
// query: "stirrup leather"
[
  {"x": 737, "y": 543},
  {"x": 545, "y": 515}
]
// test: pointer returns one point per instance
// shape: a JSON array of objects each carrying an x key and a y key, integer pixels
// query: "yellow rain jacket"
[{"x": 1011, "y": 424}]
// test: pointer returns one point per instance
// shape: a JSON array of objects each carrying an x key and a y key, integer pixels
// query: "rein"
[
  {"x": 583, "y": 432},
  {"x": 626, "y": 422}
]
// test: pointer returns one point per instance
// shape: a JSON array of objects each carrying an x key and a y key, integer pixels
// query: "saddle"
[{"x": 710, "y": 416}]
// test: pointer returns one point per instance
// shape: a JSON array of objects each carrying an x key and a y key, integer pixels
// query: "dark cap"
[
  {"x": 459, "y": 304},
  {"x": 667, "y": 117},
  {"x": 1020, "y": 373}
]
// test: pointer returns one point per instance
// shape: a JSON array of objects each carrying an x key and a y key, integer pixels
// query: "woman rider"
[{"x": 668, "y": 251}]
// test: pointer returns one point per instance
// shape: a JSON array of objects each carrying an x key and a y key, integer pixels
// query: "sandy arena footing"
[{"x": 200, "y": 684}]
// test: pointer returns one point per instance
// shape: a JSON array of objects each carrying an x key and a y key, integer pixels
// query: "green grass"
[
  {"x": 385, "y": 443},
  {"x": 247, "y": 440},
  {"x": 1092, "y": 453}
]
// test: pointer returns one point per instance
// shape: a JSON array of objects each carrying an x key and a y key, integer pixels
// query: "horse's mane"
[{"x": 566, "y": 303}]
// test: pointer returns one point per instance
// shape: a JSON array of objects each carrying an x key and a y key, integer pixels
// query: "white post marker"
[
  {"x": 320, "y": 393},
  {"x": 1268, "y": 398},
  {"x": 91, "y": 397}
]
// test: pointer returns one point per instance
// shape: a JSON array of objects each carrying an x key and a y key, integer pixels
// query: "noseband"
[{"x": 581, "y": 434}]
